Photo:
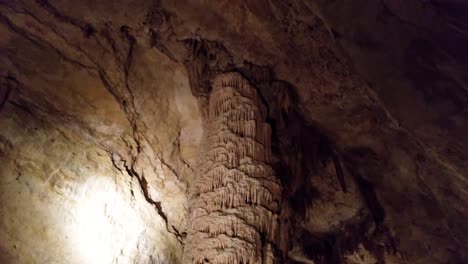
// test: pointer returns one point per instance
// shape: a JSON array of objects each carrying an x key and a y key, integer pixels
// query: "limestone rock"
[{"x": 105, "y": 130}]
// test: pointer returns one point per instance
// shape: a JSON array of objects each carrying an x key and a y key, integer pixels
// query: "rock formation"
[
  {"x": 236, "y": 197},
  {"x": 254, "y": 131}
]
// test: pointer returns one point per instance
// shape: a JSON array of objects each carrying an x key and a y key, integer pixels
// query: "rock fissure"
[
  {"x": 143, "y": 185},
  {"x": 8, "y": 84}
]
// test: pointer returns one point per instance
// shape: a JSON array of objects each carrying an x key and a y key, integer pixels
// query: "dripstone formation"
[{"x": 234, "y": 203}]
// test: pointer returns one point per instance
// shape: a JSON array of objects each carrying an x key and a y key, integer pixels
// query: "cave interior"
[{"x": 233, "y": 132}]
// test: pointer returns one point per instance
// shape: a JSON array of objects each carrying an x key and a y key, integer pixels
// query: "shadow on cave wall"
[{"x": 303, "y": 150}]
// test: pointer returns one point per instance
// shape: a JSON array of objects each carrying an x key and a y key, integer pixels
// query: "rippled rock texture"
[
  {"x": 235, "y": 200},
  {"x": 303, "y": 131}
]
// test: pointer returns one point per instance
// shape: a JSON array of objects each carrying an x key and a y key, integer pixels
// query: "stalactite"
[{"x": 235, "y": 199}]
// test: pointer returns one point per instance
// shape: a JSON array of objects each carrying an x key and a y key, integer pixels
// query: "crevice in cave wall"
[
  {"x": 143, "y": 185},
  {"x": 7, "y": 85}
]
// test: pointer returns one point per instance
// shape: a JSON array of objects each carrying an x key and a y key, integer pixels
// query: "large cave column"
[{"x": 234, "y": 202}]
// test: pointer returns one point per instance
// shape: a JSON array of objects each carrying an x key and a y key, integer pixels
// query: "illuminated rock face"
[
  {"x": 82, "y": 182},
  {"x": 234, "y": 203},
  {"x": 63, "y": 201}
]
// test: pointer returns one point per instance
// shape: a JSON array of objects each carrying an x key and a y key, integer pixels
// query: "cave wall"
[
  {"x": 366, "y": 100},
  {"x": 63, "y": 201},
  {"x": 106, "y": 138}
]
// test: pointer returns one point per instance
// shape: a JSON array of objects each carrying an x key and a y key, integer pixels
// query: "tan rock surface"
[
  {"x": 235, "y": 199},
  {"x": 101, "y": 109}
]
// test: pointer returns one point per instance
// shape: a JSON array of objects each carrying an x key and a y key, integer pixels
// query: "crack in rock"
[{"x": 121, "y": 165}]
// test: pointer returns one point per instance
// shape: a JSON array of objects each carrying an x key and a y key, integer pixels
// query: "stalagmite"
[{"x": 235, "y": 199}]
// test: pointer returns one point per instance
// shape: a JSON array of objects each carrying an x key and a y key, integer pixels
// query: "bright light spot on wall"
[{"x": 109, "y": 228}]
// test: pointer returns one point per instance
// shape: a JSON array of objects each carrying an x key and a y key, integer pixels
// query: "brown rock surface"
[{"x": 102, "y": 109}]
